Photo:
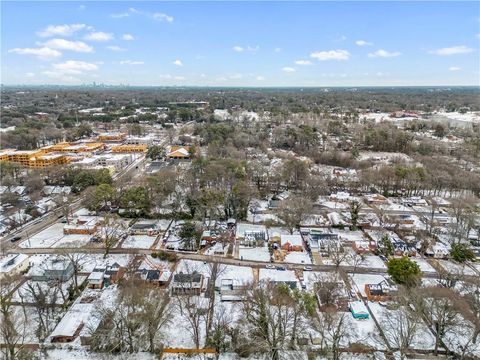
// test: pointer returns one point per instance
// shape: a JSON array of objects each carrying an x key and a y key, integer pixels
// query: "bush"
[
  {"x": 404, "y": 271},
  {"x": 462, "y": 253},
  {"x": 163, "y": 255}
]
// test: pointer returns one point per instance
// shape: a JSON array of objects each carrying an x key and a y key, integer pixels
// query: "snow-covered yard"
[
  {"x": 423, "y": 339},
  {"x": 138, "y": 242},
  {"x": 254, "y": 253}
]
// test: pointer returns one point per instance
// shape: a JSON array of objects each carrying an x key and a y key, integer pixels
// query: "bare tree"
[
  {"x": 44, "y": 300},
  {"x": 337, "y": 253},
  {"x": 77, "y": 260},
  {"x": 135, "y": 323},
  {"x": 400, "y": 328},
  {"x": 13, "y": 325},
  {"x": 193, "y": 310},
  {"x": 111, "y": 231},
  {"x": 332, "y": 327},
  {"x": 293, "y": 211}
]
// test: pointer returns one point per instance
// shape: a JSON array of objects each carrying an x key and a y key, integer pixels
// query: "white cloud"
[
  {"x": 61, "y": 30},
  {"x": 303, "y": 62},
  {"x": 454, "y": 50},
  {"x": 29, "y": 74},
  {"x": 277, "y": 50},
  {"x": 288, "y": 69},
  {"x": 43, "y": 53},
  {"x": 238, "y": 48},
  {"x": 116, "y": 48},
  {"x": 127, "y": 37},
  {"x": 60, "y": 76},
  {"x": 158, "y": 16},
  {"x": 75, "y": 66},
  {"x": 454, "y": 68},
  {"x": 120, "y": 15},
  {"x": 131, "y": 62},
  {"x": 331, "y": 55},
  {"x": 62, "y": 44},
  {"x": 171, "y": 77},
  {"x": 162, "y": 17},
  {"x": 363, "y": 43},
  {"x": 99, "y": 36},
  {"x": 236, "y": 76},
  {"x": 260, "y": 78},
  {"x": 177, "y": 62},
  {"x": 384, "y": 54}
]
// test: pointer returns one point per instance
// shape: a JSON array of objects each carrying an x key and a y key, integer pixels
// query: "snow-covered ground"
[
  {"x": 139, "y": 242},
  {"x": 455, "y": 268},
  {"x": 423, "y": 264},
  {"x": 255, "y": 253},
  {"x": 298, "y": 257},
  {"x": 423, "y": 339}
]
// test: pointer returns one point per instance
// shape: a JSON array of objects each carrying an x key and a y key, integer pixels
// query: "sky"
[{"x": 256, "y": 44}]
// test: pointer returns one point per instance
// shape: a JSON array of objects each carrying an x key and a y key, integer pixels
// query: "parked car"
[
  {"x": 281, "y": 268},
  {"x": 270, "y": 266},
  {"x": 307, "y": 268},
  {"x": 15, "y": 239}
]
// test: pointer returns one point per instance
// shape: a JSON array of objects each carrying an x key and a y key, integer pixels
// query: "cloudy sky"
[{"x": 241, "y": 44}]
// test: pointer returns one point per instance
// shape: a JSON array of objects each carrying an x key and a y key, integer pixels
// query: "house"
[
  {"x": 277, "y": 199},
  {"x": 155, "y": 276},
  {"x": 81, "y": 226},
  {"x": 438, "y": 251},
  {"x": 251, "y": 235},
  {"x": 105, "y": 276},
  {"x": 378, "y": 292},
  {"x": 321, "y": 240},
  {"x": 53, "y": 269},
  {"x": 376, "y": 199},
  {"x": 233, "y": 282},
  {"x": 187, "y": 284},
  {"x": 358, "y": 310},
  {"x": 340, "y": 196},
  {"x": 179, "y": 153},
  {"x": 145, "y": 227},
  {"x": 291, "y": 242},
  {"x": 72, "y": 323},
  {"x": 13, "y": 264},
  {"x": 95, "y": 279}
]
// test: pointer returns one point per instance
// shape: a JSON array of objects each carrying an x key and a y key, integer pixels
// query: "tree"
[
  {"x": 404, "y": 271},
  {"x": 400, "y": 328},
  {"x": 385, "y": 246},
  {"x": 337, "y": 253},
  {"x": 333, "y": 328},
  {"x": 78, "y": 260},
  {"x": 293, "y": 211},
  {"x": 135, "y": 201},
  {"x": 462, "y": 252},
  {"x": 355, "y": 207},
  {"x": 102, "y": 196},
  {"x": 155, "y": 152},
  {"x": 13, "y": 324},
  {"x": 111, "y": 231},
  {"x": 188, "y": 235},
  {"x": 135, "y": 322}
]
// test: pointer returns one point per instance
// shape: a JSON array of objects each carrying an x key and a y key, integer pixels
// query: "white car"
[
  {"x": 270, "y": 266},
  {"x": 307, "y": 268}
]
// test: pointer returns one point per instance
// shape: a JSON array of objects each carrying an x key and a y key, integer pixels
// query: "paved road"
[
  {"x": 218, "y": 259},
  {"x": 52, "y": 217}
]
